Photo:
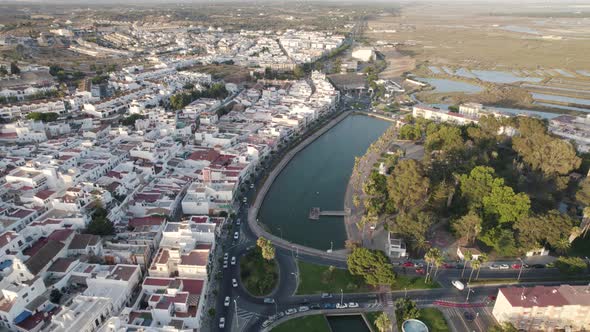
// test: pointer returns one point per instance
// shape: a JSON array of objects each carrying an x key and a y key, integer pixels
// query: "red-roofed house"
[{"x": 544, "y": 308}]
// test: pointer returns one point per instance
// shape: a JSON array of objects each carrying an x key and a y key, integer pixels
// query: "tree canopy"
[
  {"x": 100, "y": 224},
  {"x": 268, "y": 250},
  {"x": 45, "y": 117},
  {"x": 408, "y": 185},
  {"x": 372, "y": 265}
]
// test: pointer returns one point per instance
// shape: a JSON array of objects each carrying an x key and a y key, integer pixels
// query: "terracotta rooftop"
[
  {"x": 547, "y": 296},
  {"x": 198, "y": 258}
]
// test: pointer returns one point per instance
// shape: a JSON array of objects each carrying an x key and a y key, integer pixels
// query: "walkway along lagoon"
[{"x": 317, "y": 176}]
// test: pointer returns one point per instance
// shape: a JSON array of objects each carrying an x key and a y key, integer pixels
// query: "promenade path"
[{"x": 253, "y": 210}]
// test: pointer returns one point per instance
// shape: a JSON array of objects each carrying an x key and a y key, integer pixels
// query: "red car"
[
  {"x": 420, "y": 270},
  {"x": 516, "y": 266},
  {"x": 448, "y": 266},
  {"x": 408, "y": 264}
]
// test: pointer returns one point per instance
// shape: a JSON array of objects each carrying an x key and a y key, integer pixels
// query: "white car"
[
  {"x": 504, "y": 266},
  {"x": 341, "y": 306},
  {"x": 303, "y": 308},
  {"x": 252, "y": 186},
  {"x": 225, "y": 264},
  {"x": 221, "y": 322},
  {"x": 226, "y": 302},
  {"x": 225, "y": 256},
  {"x": 353, "y": 305},
  {"x": 245, "y": 200},
  {"x": 238, "y": 222},
  {"x": 290, "y": 311},
  {"x": 236, "y": 235},
  {"x": 459, "y": 285},
  {"x": 234, "y": 282},
  {"x": 233, "y": 260}
]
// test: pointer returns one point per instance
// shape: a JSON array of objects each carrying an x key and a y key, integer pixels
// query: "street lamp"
[
  {"x": 276, "y": 308},
  {"x": 469, "y": 290},
  {"x": 237, "y": 317},
  {"x": 520, "y": 270},
  {"x": 296, "y": 274},
  {"x": 341, "y": 297}
]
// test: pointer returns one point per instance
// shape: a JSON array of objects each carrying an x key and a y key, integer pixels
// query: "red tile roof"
[
  {"x": 60, "y": 235},
  {"x": 196, "y": 258},
  {"x": 147, "y": 221},
  {"x": 6, "y": 237},
  {"x": 161, "y": 282},
  {"x": 193, "y": 286}
]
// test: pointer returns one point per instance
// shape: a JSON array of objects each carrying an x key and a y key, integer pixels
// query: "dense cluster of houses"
[{"x": 166, "y": 183}]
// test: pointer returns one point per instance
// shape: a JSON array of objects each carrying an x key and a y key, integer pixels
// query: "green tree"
[
  {"x": 383, "y": 322},
  {"x": 502, "y": 240},
  {"x": 268, "y": 250},
  {"x": 550, "y": 228},
  {"x": 45, "y": 117},
  {"x": 412, "y": 226},
  {"x": 446, "y": 138},
  {"x": 483, "y": 257},
  {"x": 505, "y": 205},
  {"x": 406, "y": 309},
  {"x": 410, "y": 132},
  {"x": 431, "y": 257},
  {"x": 570, "y": 265},
  {"x": 55, "y": 296},
  {"x": 478, "y": 184},
  {"x": 130, "y": 120},
  {"x": 553, "y": 156},
  {"x": 468, "y": 227},
  {"x": 408, "y": 185},
  {"x": 3, "y": 71},
  {"x": 100, "y": 224},
  {"x": 337, "y": 66},
  {"x": 14, "y": 70},
  {"x": 583, "y": 193},
  {"x": 504, "y": 327},
  {"x": 372, "y": 265},
  {"x": 298, "y": 72}
]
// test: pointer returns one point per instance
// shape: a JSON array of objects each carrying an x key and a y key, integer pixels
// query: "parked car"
[
  {"x": 290, "y": 311},
  {"x": 517, "y": 266},
  {"x": 266, "y": 323},
  {"x": 504, "y": 266},
  {"x": 448, "y": 266},
  {"x": 538, "y": 266},
  {"x": 420, "y": 270},
  {"x": 459, "y": 285},
  {"x": 269, "y": 300},
  {"x": 495, "y": 266},
  {"x": 341, "y": 306},
  {"x": 221, "y": 322},
  {"x": 236, "y": 235},
  {"x": 233, "y": 260},
  {"x": 234, "y": 282},
  {"x": 315, "y": 306},
  {"x": 329, "y": 306},
  {"x": 408, "y": 264},
  {"x": 326, "y": 296},
  {"x": 303, "y": 308},
  {"x": 226, "y": 302},
  {"x": 353, "y": 305}
]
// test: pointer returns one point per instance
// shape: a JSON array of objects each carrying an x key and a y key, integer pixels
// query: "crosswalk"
[{"x": 245, "y": 315}]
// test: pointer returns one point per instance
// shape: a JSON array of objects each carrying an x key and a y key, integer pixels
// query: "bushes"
[{"x": 570, "y": 265}]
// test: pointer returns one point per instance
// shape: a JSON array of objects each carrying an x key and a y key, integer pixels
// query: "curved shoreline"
[{"x": 253, "y": 210}]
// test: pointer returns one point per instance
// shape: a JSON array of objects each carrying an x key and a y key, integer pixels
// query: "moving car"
[
  {"x": 236, "y": 235},
  {"x": 459, "y": 285},
  {"x": 225, "y": 256},
  {"x": 290, "y": 311},
  {"x": 252, "y": 186},
  {"x": 353, "y": 305},
  {"x": 226, "y": 302},
  {"x": 234, "y": 282},
  {"x": 269, "y": 300},
  {"x": 238, "y": 222},
  {"x": 233, "y": 260},
  {"x": 225, "y": 264},
  {"x": 245, "y": 200},
  {"x": 221, "y": 322},
  {"x": 341, "y": 306}
]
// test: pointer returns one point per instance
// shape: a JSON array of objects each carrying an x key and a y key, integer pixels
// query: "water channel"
[{"x": 317, "y": 177}]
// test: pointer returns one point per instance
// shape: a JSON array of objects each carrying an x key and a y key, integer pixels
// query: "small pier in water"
[{"x": 316, "y": 212}]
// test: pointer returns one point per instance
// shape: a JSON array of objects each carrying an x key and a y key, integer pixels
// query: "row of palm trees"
[{"x": 434, "y": 260}]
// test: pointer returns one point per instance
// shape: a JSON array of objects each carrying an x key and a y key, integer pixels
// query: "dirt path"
[{"x": 397, "y": 64}]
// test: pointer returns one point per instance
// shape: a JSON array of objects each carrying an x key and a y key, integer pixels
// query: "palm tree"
[
  {"x": 428, "y": 259},
  {"x": 482, "y": 259},
  {"x": 475, "y": 264},
  {"x": 466, "y": 258},
  {"x": 432, "y": 257},
  {"x": 438, "y": 262},
  {"x": 383, "y": 322},
  {"x": 562, "y": 245}
]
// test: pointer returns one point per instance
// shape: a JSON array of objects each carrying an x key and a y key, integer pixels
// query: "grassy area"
[
  {"x": 405, "y": 282},
  {"x": 258, "y": 275},
  {"x": 315, "y": 279},
  {"x": 371, "y": 317},
  {"x": 434, "y": 319},
  {"x": 315, "y": 323}
]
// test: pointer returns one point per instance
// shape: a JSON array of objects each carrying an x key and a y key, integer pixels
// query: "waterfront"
[{"x": 317, "y": 177}]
